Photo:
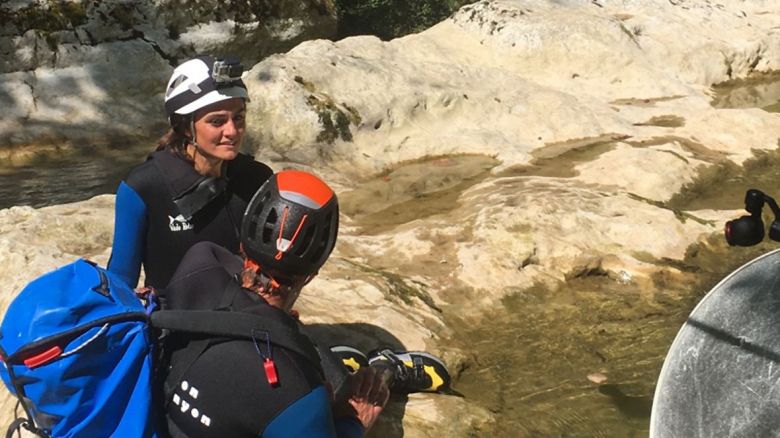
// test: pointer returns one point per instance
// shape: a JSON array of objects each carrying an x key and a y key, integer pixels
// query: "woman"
[{"x": 196, "y": 185}]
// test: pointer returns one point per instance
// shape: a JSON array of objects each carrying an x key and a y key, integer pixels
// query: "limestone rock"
[
  {"x": 518, "y": 143},
  {"x": 535, "y": 72},
  {"x": 596, "y": 113},
  {"x": 87, "y": 71}
]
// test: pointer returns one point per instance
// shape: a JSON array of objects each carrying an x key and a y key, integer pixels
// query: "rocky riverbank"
[{"x": 518, "y": 143}]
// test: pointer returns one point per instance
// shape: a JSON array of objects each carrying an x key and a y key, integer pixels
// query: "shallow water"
[
  {"x": 581, "y": 361},
  {"x": 69, "y": 174},
  {"x": 414, "y": 190},
  {"x": 762, "y": 91},
  {"x": 532, "y": 364}
]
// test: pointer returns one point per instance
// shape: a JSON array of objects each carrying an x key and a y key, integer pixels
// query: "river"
[{"x": 583, "y": 361}]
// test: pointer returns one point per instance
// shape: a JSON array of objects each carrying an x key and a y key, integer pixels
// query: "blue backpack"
[{"x": 78, "y": 350}]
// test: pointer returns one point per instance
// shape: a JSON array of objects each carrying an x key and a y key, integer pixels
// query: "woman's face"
[{"x": 219, "y": 128}]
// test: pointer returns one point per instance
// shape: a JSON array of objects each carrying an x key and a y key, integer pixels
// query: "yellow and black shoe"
[
  {"x": 413, "y": 371},
  {"x": 352, "y": 358}
]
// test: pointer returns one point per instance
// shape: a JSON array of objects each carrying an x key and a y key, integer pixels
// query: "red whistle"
[{"x": 270, "y": 372}]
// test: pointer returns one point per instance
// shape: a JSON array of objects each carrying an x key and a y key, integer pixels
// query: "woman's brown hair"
[{"x": 176, "y": 140}]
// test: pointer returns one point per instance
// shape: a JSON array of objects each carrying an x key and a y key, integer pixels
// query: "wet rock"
[{"x": 597, "y": 378}]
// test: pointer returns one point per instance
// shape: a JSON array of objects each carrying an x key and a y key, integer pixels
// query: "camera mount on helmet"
[
  {"x": 749, "y": 230},
  {"x": 226, "y": 71}
]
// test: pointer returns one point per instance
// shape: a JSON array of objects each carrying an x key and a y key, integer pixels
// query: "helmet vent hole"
[
  {"x": 269, "y": 225},
  {"x": 267, "y": 234},
  {"x": 175, "y": 84},
  {"x": 321, "y": 243},
  {"x": 306, "y": 241}
]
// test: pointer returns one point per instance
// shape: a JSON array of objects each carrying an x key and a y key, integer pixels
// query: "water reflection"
[
  {"x": 69, "y": 175},
  {"x": 759, "y": 92}
]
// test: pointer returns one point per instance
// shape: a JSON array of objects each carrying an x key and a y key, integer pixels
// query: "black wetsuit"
[
  {"x": 226, "y": 391},
  {"x": 150, "y": 229}
]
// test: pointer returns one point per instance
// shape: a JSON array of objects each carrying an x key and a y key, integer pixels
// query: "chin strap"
[
  {"x": 267, "y": 283},
  {"x": 193, "y": 141}
]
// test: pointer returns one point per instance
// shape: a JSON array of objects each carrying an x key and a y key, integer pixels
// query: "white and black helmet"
[{"x": 202, "y": 81}]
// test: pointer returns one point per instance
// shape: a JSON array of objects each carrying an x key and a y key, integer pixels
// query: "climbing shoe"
[
  {"x": 352, "y": 358},
  {"x": 413, "y": 371}
]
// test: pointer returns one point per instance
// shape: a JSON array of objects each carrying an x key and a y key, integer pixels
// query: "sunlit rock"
[
  {"x": 81, "y": 71},
  {"x": 520, "y": 143}
]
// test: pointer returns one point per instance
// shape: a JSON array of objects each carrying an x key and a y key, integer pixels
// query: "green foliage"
[
  {"x": 49, "y": 16},
  {"x": 389, "y": 19}
]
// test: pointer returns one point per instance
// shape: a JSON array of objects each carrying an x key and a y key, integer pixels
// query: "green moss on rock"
[
  {"x": 51, "y": 16},
  {"x": 334, "y": 118}
]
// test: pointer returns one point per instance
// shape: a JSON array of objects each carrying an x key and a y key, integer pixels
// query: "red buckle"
[{"x": 44, "y": 357}]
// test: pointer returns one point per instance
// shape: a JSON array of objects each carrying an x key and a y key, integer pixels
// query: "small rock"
[{"x": 597, "y": 378}]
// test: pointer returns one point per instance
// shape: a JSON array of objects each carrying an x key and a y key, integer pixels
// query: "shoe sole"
[{"x": 352, "y": 358}]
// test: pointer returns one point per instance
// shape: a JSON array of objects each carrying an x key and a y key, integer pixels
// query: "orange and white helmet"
[{"x": 202, "y": 81}]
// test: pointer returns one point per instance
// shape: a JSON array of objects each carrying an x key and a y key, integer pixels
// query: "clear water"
[
  {"x": 535, "y": 358},
  {"x": 581, "y": 361},
  {"x": 63, "y": 175}
]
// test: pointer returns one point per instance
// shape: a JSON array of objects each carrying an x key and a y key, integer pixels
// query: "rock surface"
[
  {"x": 626, "y": 85},
  {"x": 518, "y": 143},
  {"x": 86, "y": 71}
]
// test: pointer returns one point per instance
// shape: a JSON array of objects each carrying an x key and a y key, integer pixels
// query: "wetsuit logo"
[
  {"x": 178, "y": 223},
  {"x": 185, "y": 401}
]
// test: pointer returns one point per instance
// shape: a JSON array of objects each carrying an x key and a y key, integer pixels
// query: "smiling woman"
[
  {"x": 216, "y": 135},
  {"x": 196, "y": 185}
]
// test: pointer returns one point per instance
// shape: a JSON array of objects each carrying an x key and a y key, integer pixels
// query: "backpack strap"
[
  {"x": 195, "y": 347},
  {"x": 21, "y": 400},
  {"x": 18, "y": 424},
  {"x": 229, "y": 324},
  {"x": 238, "y": 325}
]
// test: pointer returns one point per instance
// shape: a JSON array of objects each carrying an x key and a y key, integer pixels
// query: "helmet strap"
[
  {"x": 192, "y": 139},
  {"x": 281, "y": 245},
  {"x": 267, "y": 283}
]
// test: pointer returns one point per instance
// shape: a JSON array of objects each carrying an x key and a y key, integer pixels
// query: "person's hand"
[{"x": 369, "y": 394}]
